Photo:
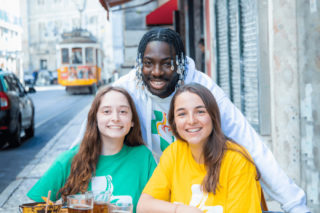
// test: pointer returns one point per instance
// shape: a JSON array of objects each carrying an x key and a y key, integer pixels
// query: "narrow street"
[{"x": 54, "y": 109}]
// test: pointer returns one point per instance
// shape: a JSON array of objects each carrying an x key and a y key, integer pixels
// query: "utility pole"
[{"x": 81, "y": 6}]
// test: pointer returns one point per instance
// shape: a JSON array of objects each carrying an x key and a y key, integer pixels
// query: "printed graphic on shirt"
[
  {"x": 120, "y": 200},
  {"x": 199, "y": 198},
  {"x": 161, "y": 127},
  {"x": 102, "y": 183}
]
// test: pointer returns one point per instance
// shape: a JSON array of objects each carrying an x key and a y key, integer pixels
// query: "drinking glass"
[
  {"x": 101, "y": 201},
  {"x": 80, "y": 203}
]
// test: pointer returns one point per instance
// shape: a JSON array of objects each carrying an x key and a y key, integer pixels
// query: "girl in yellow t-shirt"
[{"x": 202, "y": 171}]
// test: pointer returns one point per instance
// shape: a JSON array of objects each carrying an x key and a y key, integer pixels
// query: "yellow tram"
[{"x": 80, "y": 63}]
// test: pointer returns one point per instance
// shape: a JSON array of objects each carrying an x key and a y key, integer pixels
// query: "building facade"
[
  {"x": 10, "y": 36},
  {"x": 46, "y": 20}
]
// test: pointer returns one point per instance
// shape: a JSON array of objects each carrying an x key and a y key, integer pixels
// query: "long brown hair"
[
  {"x": 84, "y": 163},
  {"x": 216, "y": 145}
]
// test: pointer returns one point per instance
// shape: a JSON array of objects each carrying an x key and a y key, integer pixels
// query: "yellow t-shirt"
[{"x": 178, "y": 179}]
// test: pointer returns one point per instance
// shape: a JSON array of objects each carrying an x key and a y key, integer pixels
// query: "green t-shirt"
[{"x": 130, "y": 170}]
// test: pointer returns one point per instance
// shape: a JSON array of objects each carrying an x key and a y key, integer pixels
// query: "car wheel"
[
  {"x": 93, "y": 89},
  {"x": 30, "y": 130},
  {"x": 15, "y": 139},
  {"x": 3, "y": 141}
]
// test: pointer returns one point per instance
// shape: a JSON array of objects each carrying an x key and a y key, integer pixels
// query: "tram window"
[
  {"x": 65, "y": 55},
  {"x": 76, "y": 55},
  {"x": 89, "y": 55}
]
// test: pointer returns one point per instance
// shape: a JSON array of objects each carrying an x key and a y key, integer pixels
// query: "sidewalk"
[{"x": 15, "y": 194}]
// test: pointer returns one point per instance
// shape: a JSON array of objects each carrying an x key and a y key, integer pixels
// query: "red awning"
[{"x": 163, "y": 15}]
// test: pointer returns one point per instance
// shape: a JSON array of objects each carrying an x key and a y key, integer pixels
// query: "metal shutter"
[
  {"x": 249, "y": 41},
  {"x": 234, "y": 46},
  {"x": 237, "y": 54},
  {"x": 223, "y": 46}
]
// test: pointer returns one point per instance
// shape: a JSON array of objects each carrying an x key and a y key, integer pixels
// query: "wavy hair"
[
  {"x": 84, "y": 163},
  {"x": 216, "y": 145}
]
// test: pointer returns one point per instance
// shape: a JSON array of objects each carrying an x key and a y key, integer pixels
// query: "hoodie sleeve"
[{"x": 273, "y": 179}]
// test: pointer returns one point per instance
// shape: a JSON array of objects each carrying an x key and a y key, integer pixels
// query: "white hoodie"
[{"x": 156, "y": 132}]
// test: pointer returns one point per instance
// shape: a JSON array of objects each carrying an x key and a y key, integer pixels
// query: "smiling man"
[
  {"x": 161, "y": 67},
  {"x": 158, "y": 75}
]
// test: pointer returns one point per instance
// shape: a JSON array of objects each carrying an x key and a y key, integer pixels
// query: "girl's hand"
[{"x": 186, "y": 209}]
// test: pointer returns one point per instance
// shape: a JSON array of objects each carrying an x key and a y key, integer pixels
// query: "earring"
[
  {"x": 172, "y": 67},
  {"x": 182, "y": 57},
  {"x": 178, "y": 66},
  {"x": 180, "y": 70},
  {"x": 138, "y": 68}
]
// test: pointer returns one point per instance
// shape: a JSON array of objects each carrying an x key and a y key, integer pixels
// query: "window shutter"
[{"x": 249, "y": 40}]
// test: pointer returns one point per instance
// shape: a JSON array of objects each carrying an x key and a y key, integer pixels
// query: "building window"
[
  {"x": 41, "y": 2},
  {"x": 41, "y": 31},
  {"x": 43, "y": 64},
  {"x": 4, "y": 16},
  {"x": 93, "y": 20}
]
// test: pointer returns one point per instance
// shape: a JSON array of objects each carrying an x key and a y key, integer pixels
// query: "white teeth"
[
  {"x": 193, "y": 130},
  {"x": 158, "y": 82},
  {"x": 114, "y": 127}
]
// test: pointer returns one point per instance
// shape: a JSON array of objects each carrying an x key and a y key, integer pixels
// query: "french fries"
[{"x": 45, "y": 200}]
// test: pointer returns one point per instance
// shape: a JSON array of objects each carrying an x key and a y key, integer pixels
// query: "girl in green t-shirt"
[{"x": 112, "y": 146}]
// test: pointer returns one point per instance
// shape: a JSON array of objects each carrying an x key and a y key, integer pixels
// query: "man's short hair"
[
  {"x": 162, "y": 34},
  {"x": 201, "y": 41}
]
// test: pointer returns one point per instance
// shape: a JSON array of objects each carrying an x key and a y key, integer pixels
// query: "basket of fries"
[{"x": 39, "y": 207}]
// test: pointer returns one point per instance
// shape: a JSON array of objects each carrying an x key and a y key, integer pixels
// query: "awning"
[
  {"x": 163, "y": 15},
  {"x": 111, "y": 3}
]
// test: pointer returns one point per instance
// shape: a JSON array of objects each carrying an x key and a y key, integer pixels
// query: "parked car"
[{"x": 16, "y": 110}]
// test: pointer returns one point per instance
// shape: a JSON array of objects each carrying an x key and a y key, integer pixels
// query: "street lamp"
[{"x": 81, "y": 6}]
